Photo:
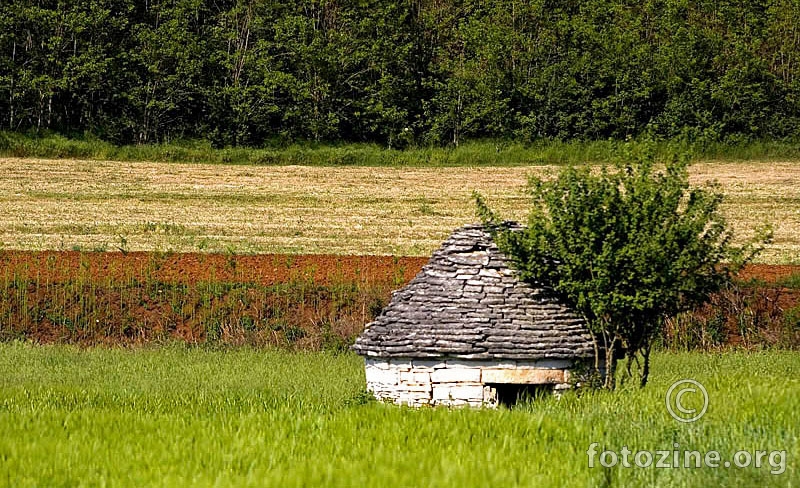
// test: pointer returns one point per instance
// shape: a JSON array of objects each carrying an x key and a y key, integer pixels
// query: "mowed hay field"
[
  {"x": 94, "y": 206},
  {"x": 178, "y": 416}
]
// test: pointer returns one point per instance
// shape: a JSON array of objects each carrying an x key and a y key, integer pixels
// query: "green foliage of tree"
[
  {"x": 627, "y": 246},
  {"x": 253, "y": 72}
]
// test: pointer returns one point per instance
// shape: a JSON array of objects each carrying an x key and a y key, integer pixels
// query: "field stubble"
[{"x": 142, "y": 206}]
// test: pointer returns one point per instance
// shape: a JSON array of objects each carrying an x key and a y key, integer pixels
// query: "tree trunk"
[
  {"x": 611, "y": 362},
  {"x": 646, "y": 366}
]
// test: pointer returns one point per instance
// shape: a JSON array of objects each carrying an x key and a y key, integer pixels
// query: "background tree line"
[{"x": 255, "y": 72}]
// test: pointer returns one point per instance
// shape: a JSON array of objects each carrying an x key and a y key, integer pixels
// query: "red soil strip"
[
  {"x": 125, "y": 310},
  {"x": 769, "y": 272},
  {"x": 265, "y": 269},
  {"x": 189, "y": 268}
]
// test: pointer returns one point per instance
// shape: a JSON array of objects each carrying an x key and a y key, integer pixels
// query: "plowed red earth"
[
  {"x": 189, "y": 268},
  {"x": 768, "y": 272},
  {"x": 265, "y": 269},
  {"x": 121, "y": 296}
]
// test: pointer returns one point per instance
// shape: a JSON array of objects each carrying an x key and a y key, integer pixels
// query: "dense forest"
[{"x": 400, "y": 72}]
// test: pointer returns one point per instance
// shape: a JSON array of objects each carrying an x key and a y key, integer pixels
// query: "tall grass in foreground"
[
  {"x": 177, "y": 416},
  {"x": 476, "y": 153}
]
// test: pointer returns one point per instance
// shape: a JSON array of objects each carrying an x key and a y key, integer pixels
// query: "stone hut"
[{"x": 467, "y": 331}]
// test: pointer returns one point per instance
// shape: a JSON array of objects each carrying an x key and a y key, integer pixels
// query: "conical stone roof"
[{"x": 467, "y": 303}]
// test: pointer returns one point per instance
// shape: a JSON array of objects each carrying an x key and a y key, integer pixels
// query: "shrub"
[{"x": 626, "y": 246}]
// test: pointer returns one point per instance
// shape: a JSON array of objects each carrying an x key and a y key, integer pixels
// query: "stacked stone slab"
[{"x": 467, "y": 323}]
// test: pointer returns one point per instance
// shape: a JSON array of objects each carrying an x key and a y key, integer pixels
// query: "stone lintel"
[
  {"x": 522, "y": 376},
  {"x": 545, "y": 364}
]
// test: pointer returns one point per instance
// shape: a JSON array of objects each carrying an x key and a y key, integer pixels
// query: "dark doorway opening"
[{"x": 513, "y": 394}]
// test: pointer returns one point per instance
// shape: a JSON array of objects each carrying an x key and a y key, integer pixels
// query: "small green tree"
[{"x": 627, "y": 247}]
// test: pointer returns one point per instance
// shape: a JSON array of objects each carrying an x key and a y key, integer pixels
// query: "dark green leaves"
[
  {"x": 254, "y": 72},
  {"x": 628, "y": 246}
]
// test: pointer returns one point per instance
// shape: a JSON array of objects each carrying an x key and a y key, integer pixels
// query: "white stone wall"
[{"x": 456, "y": 382}]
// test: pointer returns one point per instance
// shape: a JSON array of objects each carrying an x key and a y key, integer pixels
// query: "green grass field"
[
  {"x": 471, "y": 153},
  {"x": 177, "y": 416}
]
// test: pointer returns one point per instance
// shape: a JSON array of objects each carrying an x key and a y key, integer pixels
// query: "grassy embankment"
[
  {"x": 178, "y": 416},
  {"x": 476, "y": 153}
]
